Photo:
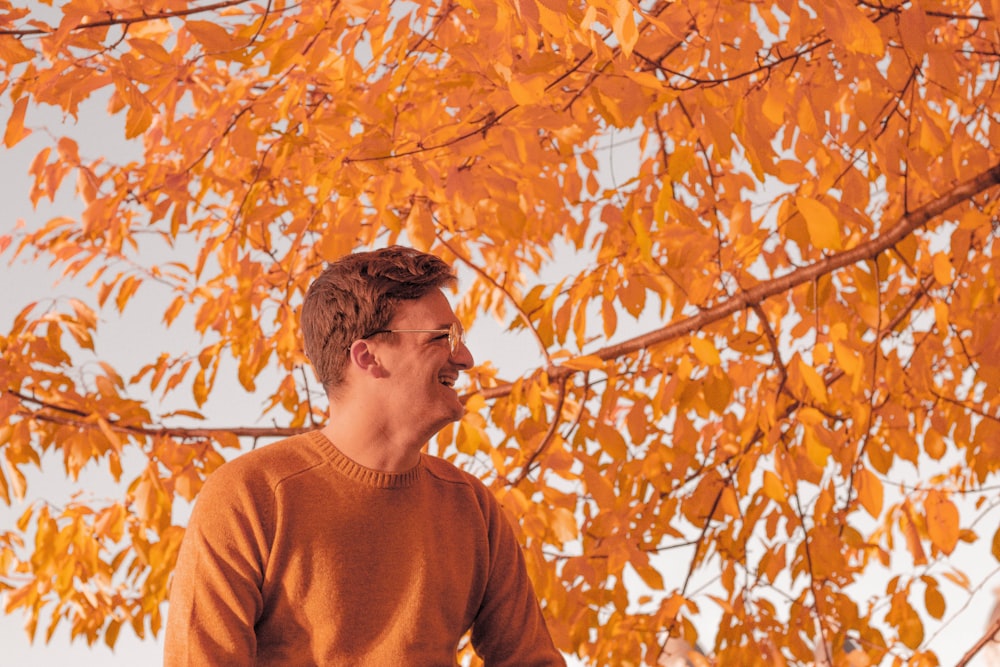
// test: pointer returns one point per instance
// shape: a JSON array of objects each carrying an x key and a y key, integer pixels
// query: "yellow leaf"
[
  {"x": 773, "y": 488},
  {"x": 475, "y": 403},
  {"x": 823, "y": 226},
  {"x": 814, "y": 382},
  {"x": 941, "y": 315},
  {"x": 705, "y": 351},
  {"x": 817, "y": 452},
  {"x": 811, "y": 416},
  {"x": 847, "y": 358},
  {"x": 943, "y": 270},
  {"x": 586, "y": 362},
  {"x": 469, "y": 438}
]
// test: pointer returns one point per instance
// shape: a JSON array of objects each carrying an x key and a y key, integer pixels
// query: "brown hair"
[{"x": 358, "y": 294}]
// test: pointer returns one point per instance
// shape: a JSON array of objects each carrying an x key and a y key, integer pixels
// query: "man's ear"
[{"x": 365, "y": 359}]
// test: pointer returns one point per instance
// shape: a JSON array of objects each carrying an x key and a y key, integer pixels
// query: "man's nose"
[{"x": 463, "y": 357}]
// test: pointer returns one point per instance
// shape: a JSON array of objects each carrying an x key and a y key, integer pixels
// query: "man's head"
[{"x": 358, "y": 294}]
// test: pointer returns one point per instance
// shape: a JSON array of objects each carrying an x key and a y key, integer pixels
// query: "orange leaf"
[
  {"x": 912, "y": 535},
  {"x": 942, "y": 521},
  {"x": 527, "y": 91},
  {"x": 623, "y": 24},
  {"x": 587, "y": 362},
  {"x": 814, "y": 382},
  {"x": 943, "y": 270},
  {"x": 420, "y": 226},
  {"x": 563, "y": 524},
  {"x": 851, "y": 28},
  {"x": 600, "y": 488},
  {"x": 15, "y": 125},
  {"x": 4, "y": 493},
  {"x": 126, "y": 290},
  {"x": 823, "y": 226},
  {"x": 934, "y": 601},
  {"x": 869, "y": 491},
  {"x": 212, "y": 36}
]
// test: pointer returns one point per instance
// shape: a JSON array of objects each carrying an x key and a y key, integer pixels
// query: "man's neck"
[{"x": 370, "y": 443}]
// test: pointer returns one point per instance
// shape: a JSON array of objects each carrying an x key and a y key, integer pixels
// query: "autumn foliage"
[{"x": 753, "y": 243}]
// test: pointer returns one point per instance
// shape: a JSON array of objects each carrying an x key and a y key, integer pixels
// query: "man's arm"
[
  {"x": 509, "y": 629},
  {"x": 215, "y": 594}
]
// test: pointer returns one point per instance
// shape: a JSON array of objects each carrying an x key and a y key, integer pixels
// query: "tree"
[{"x": 807, "y": 231}]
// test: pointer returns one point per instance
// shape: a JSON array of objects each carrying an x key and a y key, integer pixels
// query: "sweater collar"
[{"x": 366, "y": 476}]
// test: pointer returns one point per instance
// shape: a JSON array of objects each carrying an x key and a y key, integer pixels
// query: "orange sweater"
[{"x": 296, "y": 555}]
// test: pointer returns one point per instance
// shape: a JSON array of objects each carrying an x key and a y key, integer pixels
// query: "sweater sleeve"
[
  {"x": 215, "y": 594},
  {"x": 509, "y": 629}
]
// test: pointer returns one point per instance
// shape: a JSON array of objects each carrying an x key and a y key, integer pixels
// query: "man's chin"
[{"x": 457, "y": 414}]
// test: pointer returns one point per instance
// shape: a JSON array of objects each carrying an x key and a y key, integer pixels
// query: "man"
[{"x": 349, "y": 546}]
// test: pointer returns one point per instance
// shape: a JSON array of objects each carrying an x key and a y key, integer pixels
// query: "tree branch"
[
  {"x": 993, "y": 634},
  {"x": 126, "y": 21},
  {"x": 763, "y": 291},
  {"x": 745, "y": 299}
]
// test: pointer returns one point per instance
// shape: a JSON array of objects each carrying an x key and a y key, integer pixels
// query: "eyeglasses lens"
[{"x": 456, "y": 336}]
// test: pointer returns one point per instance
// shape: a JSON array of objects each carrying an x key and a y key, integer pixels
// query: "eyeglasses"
[{"x": 456, "y": 335}]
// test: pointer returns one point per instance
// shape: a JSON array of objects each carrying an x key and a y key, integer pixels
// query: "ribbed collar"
[{"x": 373, "y": 478}]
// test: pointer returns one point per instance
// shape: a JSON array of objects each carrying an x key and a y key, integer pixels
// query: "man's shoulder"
[
  {"x": 273, "y": 463},
  {"x": 447, "y": 471}
]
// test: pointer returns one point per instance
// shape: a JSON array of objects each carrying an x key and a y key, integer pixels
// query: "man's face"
[{"x": 422, "y": 369}]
